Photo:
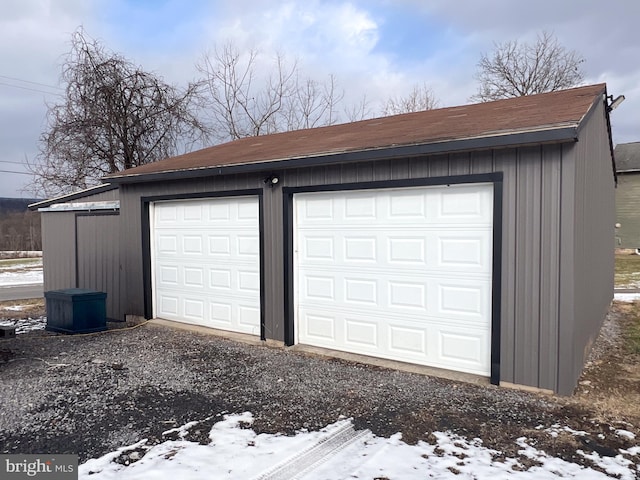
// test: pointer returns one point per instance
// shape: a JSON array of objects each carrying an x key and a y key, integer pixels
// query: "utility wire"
[
  {"x": 11, "y": 171},
  {"x": 31, "y": 89},
  {"x": 32, "y": 83},
  {"x": 11, "y": 161}
]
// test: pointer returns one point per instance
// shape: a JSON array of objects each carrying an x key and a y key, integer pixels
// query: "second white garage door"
[
  {"x": 403, "y": 274},
  {"x": 206, "y": 262}
]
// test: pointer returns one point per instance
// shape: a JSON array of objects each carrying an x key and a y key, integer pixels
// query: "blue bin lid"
[{"x": 74, "y": 292}]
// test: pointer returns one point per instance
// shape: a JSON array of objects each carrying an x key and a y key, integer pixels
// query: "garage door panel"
[
  {"x": 220, "y": 314},
  {"x": 405, "y": 342},
  {"x": 467, "y": 350},
  {"x": 405, "y": 249},
  {"x": 359, "y": 332},
  {"x": 359, "y": 291},
  {"x": 432, "y": 249},
  {"x": 167, "y": 244},
  {"x": 247, "y": 245},
  {"x": 409, "y": 206},
  {"x": 248, "y": 282},
  {"x": 463, "y": 299},
  {"x": 359, "y": 248},
  {"x": 191, "y": 244},
  {"x": 168, "y": 305},
  {"x": 206, "y": 262},
  {"x": 193, "y": 308},
  {"x": 220, "y": 278},
  {"x": 194, "y": 277},
  {"x": 319, "y": 288},
  {"x": 406, "y": 294},
  {"x": 248, "y": 318},
  {"x": 468, "y": 203},
  {"x": 403, "y": 274},
  {"x": 319, "y": 328},
  {"x": 358, "y": 207}
]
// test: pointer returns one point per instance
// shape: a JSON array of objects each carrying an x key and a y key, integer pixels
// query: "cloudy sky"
[{"x": 378, "y": 47}]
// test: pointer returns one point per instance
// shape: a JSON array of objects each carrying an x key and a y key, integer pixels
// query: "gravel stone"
[{"x": 91, "y": 394}]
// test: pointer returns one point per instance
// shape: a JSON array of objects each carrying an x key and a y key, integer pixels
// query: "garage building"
[{"x": 476, "y": 238}]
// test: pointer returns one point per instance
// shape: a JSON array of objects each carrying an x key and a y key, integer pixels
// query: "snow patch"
[
  {"x": 237, "y": 452},
  {"x": 625, "y": 434},
  {"x": 626, "y": 297}
]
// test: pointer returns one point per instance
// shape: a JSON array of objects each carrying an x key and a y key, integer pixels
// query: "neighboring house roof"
[
  {"x": 627, "y": 157},
  {"x": 543, "y": 118},
  {"x": 105, "y": 187}
]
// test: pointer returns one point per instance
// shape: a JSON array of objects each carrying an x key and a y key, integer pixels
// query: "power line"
[
  {"x": 32, "y": 83},
  {"x": 11, "y": 161},
  {"x": 32, "y": 89},
  {"x": 11, "y": 171}
]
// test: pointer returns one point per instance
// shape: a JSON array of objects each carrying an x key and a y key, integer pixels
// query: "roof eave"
[
  {"x": 106, "y": 187},
  {"x": 562, "y": 134}
]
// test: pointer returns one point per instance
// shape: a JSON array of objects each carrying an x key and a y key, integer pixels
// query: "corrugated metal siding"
[
  {"x": 82, "y": 251},
  {"x": 98, "y": 258},
  {"x": 592, "y": 262},
  {"x": 100, "y": 197},
  {"x": 58, "y": 250},
  {"x": 628, "y": 210},
  {"x": 530, "y": 256}
]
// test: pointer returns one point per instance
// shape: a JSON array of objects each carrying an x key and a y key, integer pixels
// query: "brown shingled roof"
[{"x": 535, "y": 113}]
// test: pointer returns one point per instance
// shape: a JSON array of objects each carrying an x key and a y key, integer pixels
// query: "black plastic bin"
[{"x": 76, "y": 310}]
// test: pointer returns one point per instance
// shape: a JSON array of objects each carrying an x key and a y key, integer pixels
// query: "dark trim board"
[
  {"x": 496, "y": 275},
  {"x": 496, "y": 279},
  {"x": 145, "y": 203}
]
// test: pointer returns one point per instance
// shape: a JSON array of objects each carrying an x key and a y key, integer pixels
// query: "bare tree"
[
  {"x": 114, "y": 116},
  {"x": 515, "y": 69},
  {"x": 250, "y": 96},
  {"x": 420, "y": 98},
  {"x": 313, "y": 104},
  {"x": 359, "y": 111}
]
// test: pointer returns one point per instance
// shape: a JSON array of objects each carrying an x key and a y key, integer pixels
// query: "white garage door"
[
  {"x": 403, "y": 274},
  {"x": 206, "y": 262}
]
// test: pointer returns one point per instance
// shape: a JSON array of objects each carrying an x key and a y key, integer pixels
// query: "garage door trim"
[
  {"x": 146, "y": 241},
  {"x": 496, "y": 284}
]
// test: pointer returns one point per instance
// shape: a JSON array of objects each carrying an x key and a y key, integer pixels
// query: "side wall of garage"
[
  {"x": 589, "y": 259},
  {"x": 530, "y": 243}
]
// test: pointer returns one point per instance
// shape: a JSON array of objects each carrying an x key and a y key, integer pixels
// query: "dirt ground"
[
  {"x": 610, "y": 383},
  {"x": 33, "y": 308},
  {"x": 126, "y": 385}
]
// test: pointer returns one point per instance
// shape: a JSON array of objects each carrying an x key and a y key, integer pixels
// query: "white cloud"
[{"x": 349, "y": 39}]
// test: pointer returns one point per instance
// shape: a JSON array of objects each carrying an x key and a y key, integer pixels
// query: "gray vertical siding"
[
  {"x": 82, "y": 251},
  {"x": 592, "y": 258},
  {"x": 530, "y": 234},
  {"x": 58, "y": 250},
  {"x": 557, "y": 218},
  {"x": 627, "y": 202},
  {"x": 98, "y": 258}
]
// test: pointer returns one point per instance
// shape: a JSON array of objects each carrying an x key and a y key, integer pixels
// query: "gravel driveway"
[{"x": 91, "y": 394}]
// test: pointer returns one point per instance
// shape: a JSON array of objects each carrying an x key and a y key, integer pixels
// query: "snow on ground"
[
  {"x": 21, "y": 273},
  {"x": 25, "y": 325},
  {"x": 237, "y": 452},
  {"x": 626, "y": 297}
]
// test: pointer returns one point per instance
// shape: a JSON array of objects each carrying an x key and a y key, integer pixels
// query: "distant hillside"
[
  {"x": 15, "y": 205},
  {"x": 19, "y": 227}
]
